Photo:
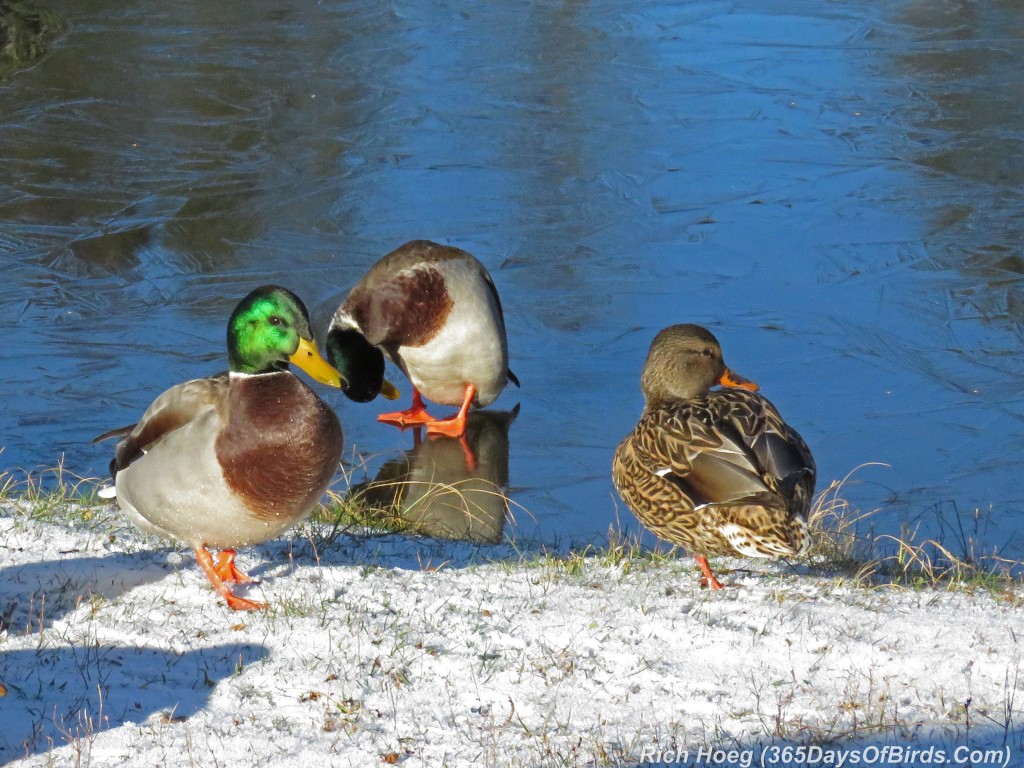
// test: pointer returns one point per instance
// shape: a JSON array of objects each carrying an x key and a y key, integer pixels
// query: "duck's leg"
[
  {"x": 709, "y": 579},
  {"x": 453, "y": 426},
  {"x": 415, "y": 415},
  {"x": 227, "y": 571},
  {"x": 235, "y": 603}
]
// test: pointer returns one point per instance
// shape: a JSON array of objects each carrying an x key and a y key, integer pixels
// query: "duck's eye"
[
  {"x": 275, "y": 320},
  {"x": 707, "y": 352}
]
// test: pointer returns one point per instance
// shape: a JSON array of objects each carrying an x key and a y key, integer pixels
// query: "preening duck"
[
  {"x": 716, "y": 471},
  {"x": 432, "y": 310}
]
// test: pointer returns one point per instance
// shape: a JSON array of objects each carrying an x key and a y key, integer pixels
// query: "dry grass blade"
[
  {"x": 51, "y": 493},
  {"x": 835, "y": 538},
  {"x": 837, "y": 542}
]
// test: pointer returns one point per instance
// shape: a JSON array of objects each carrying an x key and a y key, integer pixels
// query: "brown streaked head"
[{"x": 685, "y": 362}]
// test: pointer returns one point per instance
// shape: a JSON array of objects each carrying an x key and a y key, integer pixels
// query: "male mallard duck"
[
  {"x": 434, "y": 311},
  {"x": 240, "y": 457},
  {"x": 715, "y": 471}
]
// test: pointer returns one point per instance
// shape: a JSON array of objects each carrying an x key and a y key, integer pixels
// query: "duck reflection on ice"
[{"x": 448, "y": 488}]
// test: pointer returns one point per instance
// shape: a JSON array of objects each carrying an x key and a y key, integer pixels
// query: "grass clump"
[
  {"x": 623, "y": 551},
  {"x": 53, "y": 494},
  {"x": 908, "y": 559},
  {"x": 350, "y": 514}
]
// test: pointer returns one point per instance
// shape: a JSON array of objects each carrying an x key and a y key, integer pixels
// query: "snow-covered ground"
[{"x": 115, "y": 651}]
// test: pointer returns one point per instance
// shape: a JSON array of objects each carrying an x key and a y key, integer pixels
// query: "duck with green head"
[
  {"x": 240, "y": 457},
  {"x": 717, "y": 471}
]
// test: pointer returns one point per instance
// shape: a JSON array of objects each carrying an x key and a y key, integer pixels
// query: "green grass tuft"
[{"x": 54, "y": 494}]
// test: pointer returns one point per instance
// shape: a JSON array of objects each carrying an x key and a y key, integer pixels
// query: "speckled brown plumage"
[{"x": 718, "y": 472}]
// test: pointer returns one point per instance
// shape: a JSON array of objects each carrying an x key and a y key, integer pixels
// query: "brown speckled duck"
[
  {"x": 236, "y": 458},
  {"x": 434, "y": 311},
  {"x": 716, "y": 471}
]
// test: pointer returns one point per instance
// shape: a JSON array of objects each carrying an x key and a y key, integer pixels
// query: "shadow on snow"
[{"x": 66, "y": 695}]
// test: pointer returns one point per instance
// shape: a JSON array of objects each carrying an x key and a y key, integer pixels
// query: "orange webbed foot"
[
  {"x": 226, "y": 562},
  {"x": 451, "y": 427},
  {"x": 454, "y": 426},
  {"x": 415, "y": 415},
  {"x": 409, "y": 418},
  {"x": 236, "y": 603}
]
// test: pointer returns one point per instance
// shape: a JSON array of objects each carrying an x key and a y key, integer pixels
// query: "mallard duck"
[
  {"x": 434, "y": 311},
  {"x": 236, "y": 458},
  {"x": 717, "y": 472}
]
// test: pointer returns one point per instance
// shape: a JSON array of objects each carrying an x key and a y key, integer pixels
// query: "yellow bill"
[
  {"x": 389, "y": 390},
  {"x": 308, "y": 358}
]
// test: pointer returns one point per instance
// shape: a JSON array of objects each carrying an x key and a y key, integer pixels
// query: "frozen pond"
[{"x": 834, "y": 188}]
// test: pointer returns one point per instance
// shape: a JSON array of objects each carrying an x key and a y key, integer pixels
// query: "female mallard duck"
[
  {"x": 236, "y": 458},
  {"x": 717, "y": 472},
  {"x": 434, "y": 311}
]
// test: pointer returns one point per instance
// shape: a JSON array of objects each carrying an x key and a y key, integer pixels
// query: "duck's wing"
[
  {"x": 713, "y": 464},
  {"x": 172, "y": 410},
  {"x": 710, "y": 461},
  {"x": 780, "y": 451},
  {"x": 501, "y": 315}
]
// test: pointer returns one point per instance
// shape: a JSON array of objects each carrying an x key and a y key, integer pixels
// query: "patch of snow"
[{"x": 113, "y": 655}]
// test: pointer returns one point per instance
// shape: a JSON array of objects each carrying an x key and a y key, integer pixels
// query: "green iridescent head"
[{"x": 270, "y": 328}]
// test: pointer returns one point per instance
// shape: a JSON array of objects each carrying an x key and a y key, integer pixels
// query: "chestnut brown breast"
[
  {"x": 280, "y": 445},
  {"x": 407, "y": 311}
]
